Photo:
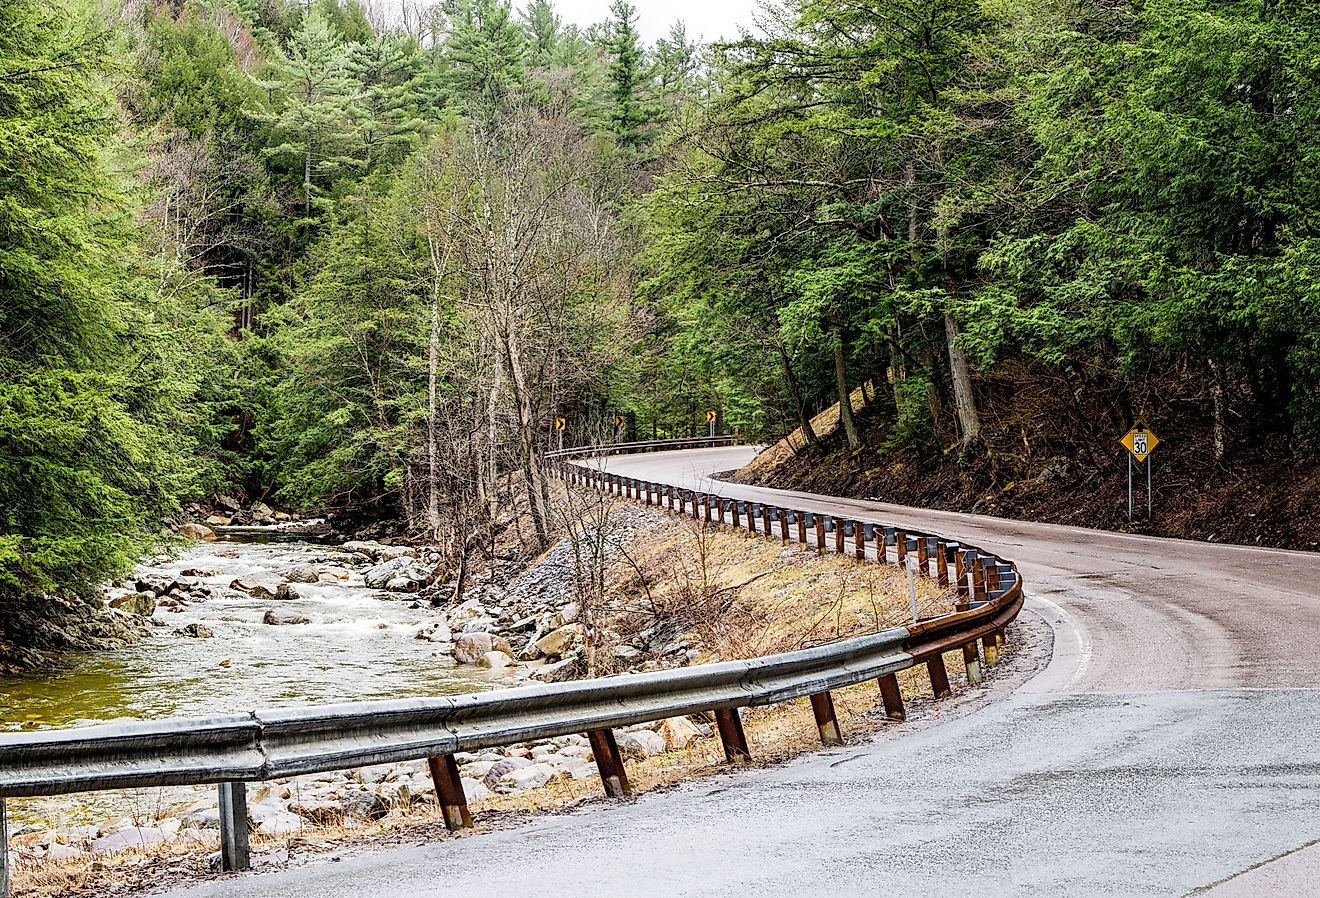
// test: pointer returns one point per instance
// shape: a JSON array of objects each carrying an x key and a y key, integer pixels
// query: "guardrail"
[
  {"x": 232, "y": 750},
  {"x": 646, "y": 446}
]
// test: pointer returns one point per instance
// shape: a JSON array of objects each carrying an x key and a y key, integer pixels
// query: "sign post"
[
  {"x": 619, "y": 422},
  {"x": 1140, "y": 443},
  {"x": 560, "y": 424},
  {"x": 710, "y": 419}
]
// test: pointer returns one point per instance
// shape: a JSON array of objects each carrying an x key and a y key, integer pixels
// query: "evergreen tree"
[
  {"x": 542, "y": 26},
  {"x": 313, "y": 98},
  {"x": 387, "y": 68},
  {"x": 484, "y": 57},
  {"x": 626, "y": 75},
  {"x": 86, "y": 470}
]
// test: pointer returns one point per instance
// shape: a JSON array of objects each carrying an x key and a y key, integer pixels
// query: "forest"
[{"x": 356, "y": 258}]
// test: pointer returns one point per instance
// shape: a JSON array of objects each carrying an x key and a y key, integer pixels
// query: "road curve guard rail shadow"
[{"x": 235, "y": 749}]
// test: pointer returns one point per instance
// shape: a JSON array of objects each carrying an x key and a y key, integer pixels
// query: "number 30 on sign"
[{"x": 1140, "y": 442}]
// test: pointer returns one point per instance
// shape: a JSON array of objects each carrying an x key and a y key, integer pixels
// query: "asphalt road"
[{"x": 1171, "y": 745}]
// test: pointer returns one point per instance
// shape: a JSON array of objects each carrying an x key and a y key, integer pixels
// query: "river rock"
[
  {"x": 678, "y": 733},
  {"x": 475, "y": 790},
  {"x": 531, "y": 777},
  {"x": 256, "y": 587},
  {"x": 495, "y": 660},
  {"x": 302, "y": 573},
  {"x": 435, "y": 632},
  {"x": 640, "y": 745},
  {"x": 397, "y": 575},
  {"x": 261, "y": 513},
  {"x": 139, "y": 837},
  {"x": 197, "y": 531},
  {"x": 273, "y": 819},
  {"x": 227, "y": 503},
  {"x": 558, "y": 672},
  {"x": 288, "y": 592},
  {"x": 139, "y": 603},
  {"x": 469, "y": 648},
  {"x": 559, "y": 641},
  {"x": 364, "y": 547},
  {"x": 570, "y": 612},
  {"x": 198, "y": 572},
  {"x": 502, "y": 767},
  {"x": 195, "y": 631},
  {"x": 389, "y": 553},
  {"x": 219, "y": 520},
  {"x": 283, "y": 618}
]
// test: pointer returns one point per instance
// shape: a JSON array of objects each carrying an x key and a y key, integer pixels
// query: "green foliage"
[{"x": 100, "y": 431}]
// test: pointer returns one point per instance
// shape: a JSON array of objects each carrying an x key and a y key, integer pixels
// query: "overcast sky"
[{"x": 705, "y": 19}]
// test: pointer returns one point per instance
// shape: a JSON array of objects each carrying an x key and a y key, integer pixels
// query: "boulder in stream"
[
  {"x": 197, "y": 531},
  {"x": 140, "y": 603},
  {"x": 283, "y": 618},
  {"x": 256, "y": 587}
]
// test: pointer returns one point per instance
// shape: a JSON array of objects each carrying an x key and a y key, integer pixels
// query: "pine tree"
[
  {"x": 484, "y": 58},
  {"x": 626, "y": 76},
  {"x": 314, "y": 97},
  {"x": 542, "y": 26},
  {"x": 387, "y": 69}
]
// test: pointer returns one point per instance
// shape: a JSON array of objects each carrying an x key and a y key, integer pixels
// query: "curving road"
[{"x": 1171, "y": 745}]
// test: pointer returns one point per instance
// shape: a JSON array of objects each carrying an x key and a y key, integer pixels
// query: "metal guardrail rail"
[
  {"x": 647, "y": 446},
  {"x": 232, "y": 750}
]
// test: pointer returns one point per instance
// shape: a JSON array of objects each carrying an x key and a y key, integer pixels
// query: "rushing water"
[{"x": 357, "y": 647}]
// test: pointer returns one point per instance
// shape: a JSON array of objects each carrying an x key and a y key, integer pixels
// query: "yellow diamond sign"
[{"x": 1140, "y": 442}]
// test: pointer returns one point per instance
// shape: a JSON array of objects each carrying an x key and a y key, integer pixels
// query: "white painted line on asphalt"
[{"x": 1072, "y": 650}]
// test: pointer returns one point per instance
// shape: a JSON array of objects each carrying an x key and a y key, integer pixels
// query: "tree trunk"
[
  {"x": 307, "y": 176},
  {"x": 964, "y": 400},
  {"x": 1220, "y": 409},
  {"x": 526, "y": 433},
  {"x": 845, "y": 397},
  {"x": 804, "y": 419}
]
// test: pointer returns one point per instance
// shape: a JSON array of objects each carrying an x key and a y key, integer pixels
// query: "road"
[{"x": 1171, "y": 745}]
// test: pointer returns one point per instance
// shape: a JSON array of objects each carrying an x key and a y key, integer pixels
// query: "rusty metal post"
[
  {"x": 990, "y": 645},
  {"x": 822, "y": 705},
  {"x": 751, "y": 517},
  {"x": 923, "y": 556},
  {"x": 609, "y": 762},
  {"x": 941, "y": 563},
  {"x": 972, "y": 661},
  {"x": 736, "y": 523},
  {"x": 900, "y": 546},
  {"x": 859, "y": 540},
  {"x": 449, "y": 790},
  {"x": 783, "y": 525},
  {"x": 648, "y": 494},
  {"x": 939, "y": 677},
  {"x": 840, "y": 527},
  {"x": 820, "y": 532},
  {"x": 765, "y": 521},
  {"x": 802, "y": 527},
  {"x": 708, "y": 504},
  {"x": 234, "y": 853},
  {"x": 696, "y": 505},
  {"x": 893, "y": 697},
  {"x": 4, "y": 851},
  {"x": 732, "y": 735}
]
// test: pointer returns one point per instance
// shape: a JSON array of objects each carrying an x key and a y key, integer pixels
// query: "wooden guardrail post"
[
  {"x": 751, "y": 517},
  {"x": 939, "y": 677},
  {"x": 820, "y": 531},
  {"x": 972, "y": 661},
  {"x": 840, "y": 531},
  {"x": 900, "y": 546},
  {"x": 942, "y": 563},
  {"x": 449, "y": 790},
  {"x": 609, "y": 761},
  {"x": 696, "y": 504},
  {"x": 892, "y": 697},
  {"x": 783, "y": 525},
  {"x": 234, "y": 852},
  {"x": 801, "y": 527},
  {"x": 4, "y": 850},
  {"x": 734, "y": 506},
  {"x": 730, "y": 726},
  {"x": 859, "y": 540},
  {"x": 765, "y": 521},
  {"x": 822, "y": 705},
  {"x": 960, "y": 574},
  {"x": 923, "y": 556}
]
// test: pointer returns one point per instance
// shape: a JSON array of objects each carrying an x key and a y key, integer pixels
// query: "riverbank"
[{"x": 741, "y": 596}]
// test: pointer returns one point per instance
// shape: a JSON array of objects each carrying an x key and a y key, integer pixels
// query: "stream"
[{"x": 357, "y": 647}]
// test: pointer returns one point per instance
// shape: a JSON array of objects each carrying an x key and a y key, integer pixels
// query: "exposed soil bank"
[{"x": 1040, "y": 464}]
